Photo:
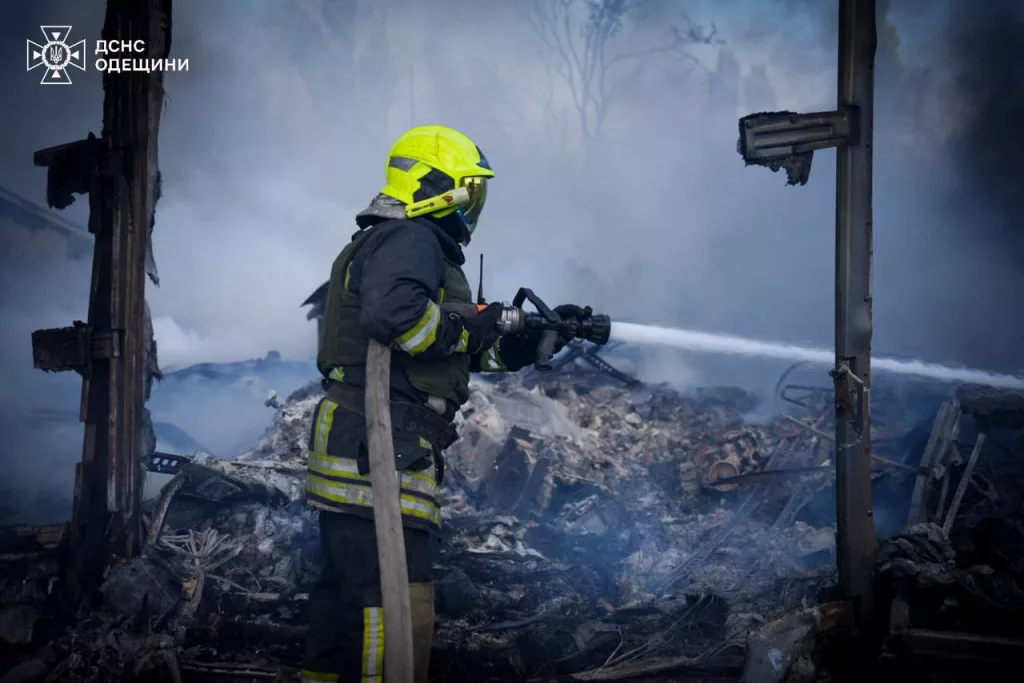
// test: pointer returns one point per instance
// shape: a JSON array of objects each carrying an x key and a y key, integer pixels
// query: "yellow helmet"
[{"x": 437, "y": 171}]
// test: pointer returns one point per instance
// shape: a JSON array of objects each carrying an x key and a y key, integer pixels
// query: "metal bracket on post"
[
  {"x": 73, "y": 348},
  {"x": 787, "y": 140},
  {"x": 851, "y": 391},
  {"x": 72, "y": 168}
]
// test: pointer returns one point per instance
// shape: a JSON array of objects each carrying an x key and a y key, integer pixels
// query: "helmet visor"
[{"x": 477, "y": 188}]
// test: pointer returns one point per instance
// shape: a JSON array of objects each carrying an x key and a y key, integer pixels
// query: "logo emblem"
[{"x": 55, "y": 55}]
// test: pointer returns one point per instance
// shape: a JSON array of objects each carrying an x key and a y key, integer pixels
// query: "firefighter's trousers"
[{"x": 346, "y": 624}]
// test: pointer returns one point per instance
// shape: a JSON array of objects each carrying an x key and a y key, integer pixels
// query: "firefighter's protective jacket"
[{"x": 388, "y": 284}]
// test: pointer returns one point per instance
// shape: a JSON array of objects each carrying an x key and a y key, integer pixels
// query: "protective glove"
[
  {"x": 580, "y": 313},
  {"x": 519, "y": 349},
  {"x": 483, "y": 328},
  {"x": 570, "y": 312}
]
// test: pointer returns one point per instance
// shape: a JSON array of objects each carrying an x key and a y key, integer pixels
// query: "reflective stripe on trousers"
[
  {"x": 373, "y": 644},
  {"x": 337, "y": 480},
  {"x": 330, "y": 479},
  {"x": 372, "y": 656}
]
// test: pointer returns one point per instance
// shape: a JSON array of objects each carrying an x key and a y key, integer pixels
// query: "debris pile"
[
  {"x": 591, "y": 531},
  {"x": 582, "y": 537}
]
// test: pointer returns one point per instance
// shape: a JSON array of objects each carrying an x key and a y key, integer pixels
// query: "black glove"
[
  {"x": 483, "y": 328},
  {"x": 519, "y": 349},
  {"x": 580, "y": 313},
  {"x": 570, "y": 312}
]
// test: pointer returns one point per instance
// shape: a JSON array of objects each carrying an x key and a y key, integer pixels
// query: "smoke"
[
  {"x": 181, "y": 346},
  {"x": 986, "y": 52},
  {"x": 277, "y": 135}
]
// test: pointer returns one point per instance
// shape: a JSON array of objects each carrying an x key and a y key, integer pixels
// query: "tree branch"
[{"x": 579, "y": 33}]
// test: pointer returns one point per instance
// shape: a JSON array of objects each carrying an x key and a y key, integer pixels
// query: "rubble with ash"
[{"x": 591, "y": 532}]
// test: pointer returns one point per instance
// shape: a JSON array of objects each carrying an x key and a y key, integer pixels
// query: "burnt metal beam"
[
  {"x": 118, "y": 172},
  {"x": 856, "y": 540},
  {"x": 21, "y": 542},
  {"x": 961, "y": 489},
  {"x": 933, "y": 461},
  {"x": 951, "y": 645},
  {"x": 785, "y": 140}
]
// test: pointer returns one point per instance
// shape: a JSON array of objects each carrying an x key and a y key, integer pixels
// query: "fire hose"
[
  {"x": 387, "y": 518},
  {"x": 387, "y": 514}
]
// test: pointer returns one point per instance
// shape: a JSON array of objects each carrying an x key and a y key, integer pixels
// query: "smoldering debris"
[{"x": 592, "y": 531}]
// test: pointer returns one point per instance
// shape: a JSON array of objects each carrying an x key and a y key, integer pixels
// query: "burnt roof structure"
[
  {"x": 318, "y": 302},
  {"x": 16, "y": 211}
]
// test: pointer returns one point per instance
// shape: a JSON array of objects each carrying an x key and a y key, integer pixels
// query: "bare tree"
[
  {"x": 511, "y": 114},
  {"x": 579, "y": 40}
]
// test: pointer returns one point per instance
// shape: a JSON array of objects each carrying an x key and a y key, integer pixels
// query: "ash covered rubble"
[{"x": 591, "y": 532}]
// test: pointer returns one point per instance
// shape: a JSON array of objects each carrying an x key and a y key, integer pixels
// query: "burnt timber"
[{"x": 119, "y": 173}]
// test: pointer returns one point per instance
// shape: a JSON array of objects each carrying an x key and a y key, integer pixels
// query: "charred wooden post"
[
  {"x": 786, "y": 140},
  {"x": 119, "y": 172}
]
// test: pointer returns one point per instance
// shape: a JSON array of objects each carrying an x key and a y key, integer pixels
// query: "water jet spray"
[{"x": 733, "y": 345}]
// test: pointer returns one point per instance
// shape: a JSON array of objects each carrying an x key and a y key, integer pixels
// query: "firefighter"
[{"x": 388, "y": 284}]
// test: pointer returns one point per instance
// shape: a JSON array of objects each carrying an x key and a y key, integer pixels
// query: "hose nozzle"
[{"x": 597, "y": 329}]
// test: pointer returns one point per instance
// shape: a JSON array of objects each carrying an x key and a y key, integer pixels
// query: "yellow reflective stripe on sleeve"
[
  {"x": 373, "y": 644},
  {"x": 423, "y": 333},
  {"x": 491, "y": 360},
  {"x": 425, "y": 444},
  {"x": 348, "y": 275},
  {"x": 324, "y": 422},
  {"x": 337, "y": 374},
  {"x": 440, "y": 295},
  {"x": 318, "y": 676},
  {"x": 462, "y": 345}
]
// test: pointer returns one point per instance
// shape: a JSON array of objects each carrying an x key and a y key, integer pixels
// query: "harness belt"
[{"x": 405, "y": 416}]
